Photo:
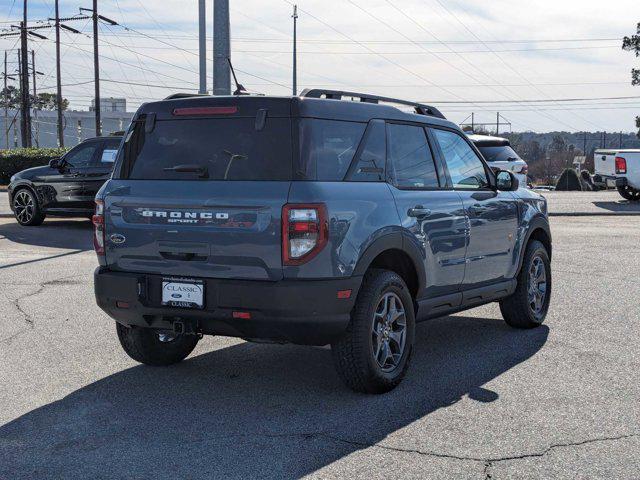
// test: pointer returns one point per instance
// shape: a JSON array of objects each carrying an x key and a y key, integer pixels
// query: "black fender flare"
[
  {"x": 539, "y": 222},
  {"x": 393, "y": 241}
]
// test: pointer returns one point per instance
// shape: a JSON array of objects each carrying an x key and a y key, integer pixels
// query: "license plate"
[{"x": 181, "y": 293}]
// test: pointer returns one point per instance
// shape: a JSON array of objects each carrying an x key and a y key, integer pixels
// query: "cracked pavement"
[{"x": 480, "y": 400}]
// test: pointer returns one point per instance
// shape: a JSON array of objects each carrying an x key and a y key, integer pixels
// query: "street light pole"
[
  {"x": 96, "y": 70},
  {"x": 295, "y": 50},
  {"x": 203, "y": 46},
  {"x": 221, "y": 48},
  {"x": 59, "y": 79}
]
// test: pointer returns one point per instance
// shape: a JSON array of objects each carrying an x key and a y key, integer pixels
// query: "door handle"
[{"x": 419, "y": 211}]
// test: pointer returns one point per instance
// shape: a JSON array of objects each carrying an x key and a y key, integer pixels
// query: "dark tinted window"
[
  {"x": 465, "y": 167},
  {"x": 209, "y": 149},
  {"x": 503, "y": 153},
  {"x": 371, "y": 162},
  {"x": 82, "y": 155},
  {"x": 410, "y": 159},
  {"x": 327, "y": 148}
]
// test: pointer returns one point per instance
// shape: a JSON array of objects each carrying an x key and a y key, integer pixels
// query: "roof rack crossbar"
[{"x": 420, "y": 108}]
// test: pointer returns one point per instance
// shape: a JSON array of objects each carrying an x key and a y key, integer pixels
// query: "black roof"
[{"x": 321, "y": 108}]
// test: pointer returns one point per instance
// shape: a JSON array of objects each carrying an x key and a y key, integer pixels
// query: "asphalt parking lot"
[{"x": 480, "y": 400}]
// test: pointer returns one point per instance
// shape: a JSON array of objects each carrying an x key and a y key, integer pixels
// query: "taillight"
[
  {"x": 304, "y": 232},
  {"x": 621, "y": 165},
  {"x": 98, "y": 228}
]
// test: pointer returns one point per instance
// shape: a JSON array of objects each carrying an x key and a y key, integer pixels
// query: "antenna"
[{"x": 240, "y": 90}]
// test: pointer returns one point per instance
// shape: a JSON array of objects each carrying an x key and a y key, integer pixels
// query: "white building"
[{"x": 110, "y": 104}]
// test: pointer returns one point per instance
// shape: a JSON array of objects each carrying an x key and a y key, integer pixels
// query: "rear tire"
[
  {"x": 155, "y": 348},
  {"x": 527, "y": 307},
  {"x": 26, "y": 208},
  {"x": 373, "y": 354},
  {"x": 630, "y": 193}
]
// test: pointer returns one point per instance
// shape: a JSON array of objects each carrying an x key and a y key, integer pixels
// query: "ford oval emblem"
[
  {"x": 176, "y": 295},
  {"x": 117, "y": 238}
]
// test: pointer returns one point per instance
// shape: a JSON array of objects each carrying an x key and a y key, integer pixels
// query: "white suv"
[{"x": 498, "y": 153}]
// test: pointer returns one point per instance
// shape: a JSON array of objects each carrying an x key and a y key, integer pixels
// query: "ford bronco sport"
[{"x": 311, "y": 220}]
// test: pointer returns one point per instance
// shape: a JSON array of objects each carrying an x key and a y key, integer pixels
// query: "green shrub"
[{"x": 14, "y": 161}]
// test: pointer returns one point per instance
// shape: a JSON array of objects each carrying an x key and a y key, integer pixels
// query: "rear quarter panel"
[{"x": 359, "y": 213}]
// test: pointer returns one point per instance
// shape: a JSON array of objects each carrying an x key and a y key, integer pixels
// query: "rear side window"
[
  {"x": 110, "y": 151},
  {"x": 209, "y": 149},
  {"x": 327, "y": 148},
  {"x": 373, "y": 154},
  {"x": 410, "y": 159}
]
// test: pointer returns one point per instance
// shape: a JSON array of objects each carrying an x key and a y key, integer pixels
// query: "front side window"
[
  {"x": 327, "y": 148},
  {"x": 81, "y": 156},
  {"x": 465, "y": 167},
  {"x": 410, "y": 160}
]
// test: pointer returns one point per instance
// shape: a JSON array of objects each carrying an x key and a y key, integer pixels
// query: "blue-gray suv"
[{"x": 329, "y": 218}]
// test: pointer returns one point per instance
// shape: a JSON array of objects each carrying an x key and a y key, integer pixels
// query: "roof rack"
[
  {"x": 176, "y": 96},
  {"x": 420, "y": 108}
]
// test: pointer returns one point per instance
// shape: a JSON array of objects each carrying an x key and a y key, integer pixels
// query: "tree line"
[{"x": 11, "y": 98}]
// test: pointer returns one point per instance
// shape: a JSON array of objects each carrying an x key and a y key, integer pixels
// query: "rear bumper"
[
  {"x": 305, "y": 312},
  {"x": 621, "y": 182}
]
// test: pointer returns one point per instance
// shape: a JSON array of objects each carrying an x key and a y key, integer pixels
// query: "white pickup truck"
[{"x": 620, "y": 168}]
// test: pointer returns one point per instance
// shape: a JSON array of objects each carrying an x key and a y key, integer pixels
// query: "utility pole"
[
  {"x": 96, "y": 69},
  {"x": 25, "y": 107},
  {"x": 6, "y": 102},
  {"x": 497, "y": 124},
  {"x": 295, "y": 50},
  {"x": 59, "y": 80},
  {"x": 604, "y": 139},
  {"x": 202, "y": 9},
  {"x": 35, "y": 97},
  {"x": 620, "y": 142},
  {"x": 584, "y": 143},
  {"x": 473, "y": 126},
  {"x": 221, "y": 48}
]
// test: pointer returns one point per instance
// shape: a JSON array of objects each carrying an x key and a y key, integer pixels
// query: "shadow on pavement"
[
  {"x": 69, "y": 234},
  {"x": 252, "y": 410},
  {"x": 621, "y": 206}
]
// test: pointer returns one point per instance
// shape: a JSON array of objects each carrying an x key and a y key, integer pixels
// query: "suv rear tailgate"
[{"x": 212, "y": 229}]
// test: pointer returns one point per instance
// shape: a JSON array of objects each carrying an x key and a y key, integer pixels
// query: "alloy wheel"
[
  {"x": 24, "y": 206},
  {"x": 389, "y": 332},
  {"x": 537, "y": 292}
]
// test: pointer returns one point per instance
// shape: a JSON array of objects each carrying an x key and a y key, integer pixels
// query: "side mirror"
[
  {"x": 506, "y": 181},
  {"x": 55, "y": 163}
]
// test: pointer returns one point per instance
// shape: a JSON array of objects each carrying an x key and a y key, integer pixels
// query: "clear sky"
[{"x": 455, "y": 54}]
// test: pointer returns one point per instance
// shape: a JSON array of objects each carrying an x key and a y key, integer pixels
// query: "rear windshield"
[
  {"x": 502, "y": 153},
  {"x": 208, "y": 149}
]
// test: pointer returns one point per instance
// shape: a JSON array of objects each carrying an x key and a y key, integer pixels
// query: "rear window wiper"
[{"x": 202, "y": 172}]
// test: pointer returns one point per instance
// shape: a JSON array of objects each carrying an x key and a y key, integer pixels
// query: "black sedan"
[{"x": 65, "y": 187}]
